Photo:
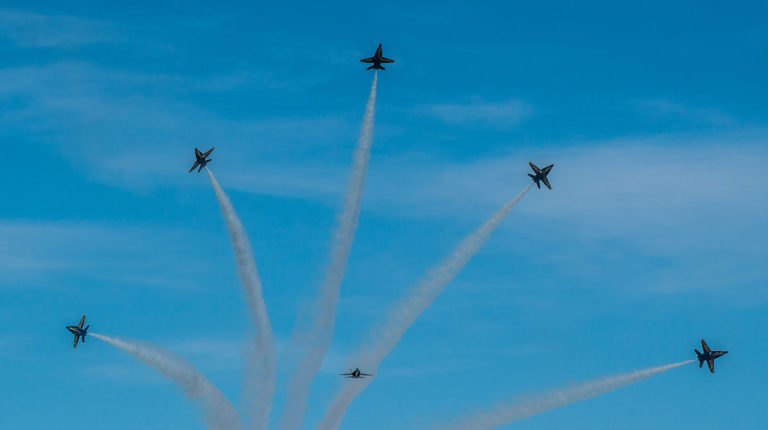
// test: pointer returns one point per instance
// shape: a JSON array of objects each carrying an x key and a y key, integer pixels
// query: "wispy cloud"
[
  {"x": 691, "y": 115},
  {"x": 33, "y": 251},
  {"x": 104, "y": 119},
  {"x": 679, "y": 198},
  {"x": 479, "y": 112},
  {"x": 29, "y": 29}
]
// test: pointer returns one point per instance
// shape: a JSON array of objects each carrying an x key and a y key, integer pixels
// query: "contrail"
[
  {"x": 260, "y": 368},
  {"x": 509, "y": 413},
  {"x": 314, "y": 340},
  {"x": 385, "y": 337},
  {"x": 219, "y": 412}
]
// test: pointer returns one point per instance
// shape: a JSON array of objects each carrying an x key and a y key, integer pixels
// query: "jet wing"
[
  {"x": 546, "y": 182},
  {"x": 711, "y": 364},
  {"x": 193, "y": 166},
  {"x": 77, "y": 337},
  {"x": 367, "y": 60},
  {"x": 366, "y": 374},
  {"x": 705, "y": 346},
  {"x": 535, "y": 169},
  {"x": 387, "y": 60},
  {"x": 207, "y": 153},
  {"x": 80, "y": 324},
  {"x": 547, "y": 169},
  {"x": 345, "y": 374}
]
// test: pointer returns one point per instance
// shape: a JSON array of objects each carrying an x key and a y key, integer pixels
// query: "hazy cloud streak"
[
  {"x": 30, "y": 29},
  {"x": 503, "y": 114}
]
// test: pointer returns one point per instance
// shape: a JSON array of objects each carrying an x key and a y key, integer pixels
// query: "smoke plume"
[
  {"x": 509, "y": 413},
  {"x": 386, "y": 337},
  {"x": 260, "y": 369},
  {"x": 314, "y": 340},
  {"x": 218, "y": 411}
]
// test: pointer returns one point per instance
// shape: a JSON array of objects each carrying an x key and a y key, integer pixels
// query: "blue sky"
[{"x": 654, "y": 235}]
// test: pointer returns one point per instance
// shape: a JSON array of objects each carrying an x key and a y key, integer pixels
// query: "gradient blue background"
[{"x": 654, "y": 235}]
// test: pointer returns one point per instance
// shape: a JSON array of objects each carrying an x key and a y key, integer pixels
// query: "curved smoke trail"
[
  {"x": 260, "y": 368},
  {"x": 386, "y": 337},
  {"x": 509, "y": 413},
  {"x": 219, "y": 412},
  {"x": 314, "y": 340}
]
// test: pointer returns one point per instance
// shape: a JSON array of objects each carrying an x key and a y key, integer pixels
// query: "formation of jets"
[
  {"x": 539, "y": 177},
  {"x": 78, "y": 331}
]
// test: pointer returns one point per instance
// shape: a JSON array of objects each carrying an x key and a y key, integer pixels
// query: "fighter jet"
[
  {"x": 541, "y": 175},
  {"x": 377, "y": 59},
  {"x": 78, "y": 331},
  {"x": 355, "y": 374},
  {"x": 708, "y": 356},
  {"x": 201, "y": 160}
]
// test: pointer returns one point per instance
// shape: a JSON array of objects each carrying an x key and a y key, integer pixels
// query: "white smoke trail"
[
  {"x": 314, "y": 340},
  {"x": 260, "y": 364},
  {"x": 386, "y": 337},
  {"x": 509, "y": 413},
  {"x": 218, "y": 411}
]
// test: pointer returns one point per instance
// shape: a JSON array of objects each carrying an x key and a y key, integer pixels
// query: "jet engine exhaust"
[
  {"x": 505, "y": 414},
  {"x": 313, "y": 341},
  {"x": 260, "y": 364},
  {"x": 218, "y": 411},
  {"x": 385, "y": 337}
]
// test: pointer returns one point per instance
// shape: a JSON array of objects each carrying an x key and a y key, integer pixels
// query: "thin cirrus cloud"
[
  {"x": 689, "y": 115},
  {"x": 504, "y": 114},
  {"x": 92, "y": 113},
  {"x": 41, "y": 251},
  {"x": 32, "y": 30}
]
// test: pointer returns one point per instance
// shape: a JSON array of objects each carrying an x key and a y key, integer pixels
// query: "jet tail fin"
[{"x": 370, "y": 67}]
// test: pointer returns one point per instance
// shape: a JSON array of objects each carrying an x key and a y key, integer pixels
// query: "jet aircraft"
[
  {"x": 201, "y": 160},
  {"x": 541, "y": 175},
  {"x": 355, "y": 374},
  {"x": 708, "y": 356},
  {"x": 79, "y": 331},
  {"x": 376, "y": 60}
]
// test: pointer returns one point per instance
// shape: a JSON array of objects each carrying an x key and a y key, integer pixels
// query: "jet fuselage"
[{"x": 77, "y": 330}]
